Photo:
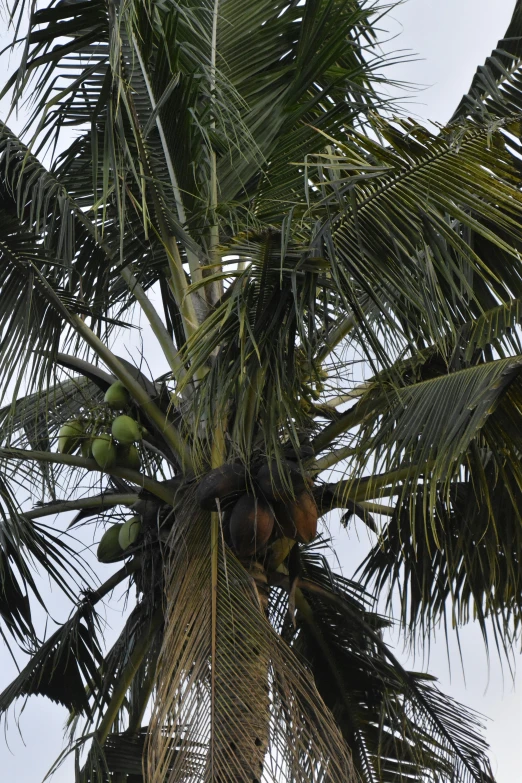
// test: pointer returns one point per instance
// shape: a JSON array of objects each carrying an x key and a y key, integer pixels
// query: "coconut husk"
[
  {"x": 251, "y": 525},
  {"x": 280, "y": 484},
  {"x": 297, "y": 518},
  {"x": 221, "y": 483}
]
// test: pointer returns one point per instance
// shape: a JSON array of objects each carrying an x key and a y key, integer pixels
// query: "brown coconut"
[
  {"x": 221, "y": 483},
  {"x": 297, "y": 518},
  {"x": 276, "y": 484},
  {"x": 251, "y": 525}
]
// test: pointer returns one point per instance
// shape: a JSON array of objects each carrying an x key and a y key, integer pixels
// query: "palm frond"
[
  {"x": 493, "y": 332},
  {"x": 62, "y": 665},
  {"x": 496, "y": 89},
  {"x": 23, "y": 546},
  {"x": 213, "y": 697},
  {"x": 461, "y": 562},
  {"x": 432, "y": 241},
  {"x": 446, "y": 447},
  {"x": 170, "y": 93},
  {"x": 397, "y": 722},
  {"x": 433, "y": 422}
]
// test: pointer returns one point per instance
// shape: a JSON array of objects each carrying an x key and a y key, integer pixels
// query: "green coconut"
[
  {"x": 117, "y": 397},
  {"x": 69, "y": 436},
  {"x": 128, "y": 457},
  {"x": 109, "y": 548},
  {"x": 126, "y": 430},
  {"x": 129, "y": 532},
  {"x": 104, "y": 451}
]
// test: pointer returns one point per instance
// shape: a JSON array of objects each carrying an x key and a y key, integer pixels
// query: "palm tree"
[{"x": 335, "y": 291}]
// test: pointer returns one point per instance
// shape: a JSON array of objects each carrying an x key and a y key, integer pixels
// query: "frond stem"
[
  {"x": 217, "y": 458},
  {"x": 216, "y": 287},
  {"x": 336, "y": 336},
  {"x": 193, "y": 261},
  {"x": 156, "y": 324},
  {"x": 330, "y": 496},
  {"x": 127, "y": 676},
  {"x": 358, "y": 391},
  {"x": 159, "y": 490},
  {"x": 104, "y": 501},
  {"x": 345, "y": 422},
  {"x": 129, "y": 568},
  {"x": 178, "y": 281},
  {"x": 332, "y": 459}
]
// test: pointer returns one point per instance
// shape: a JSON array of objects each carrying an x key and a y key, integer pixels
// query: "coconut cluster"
[
  {"x": 110, "y": 440},
  {"x": 275, "y": 502},
  {"x": 117, "y": 539}
]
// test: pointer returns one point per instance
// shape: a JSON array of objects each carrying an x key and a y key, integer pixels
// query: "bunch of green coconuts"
[
  {"x": 117, "y": 539},
  {"x": 92, "y": 438},
  {"x": 115, "y": 448}
]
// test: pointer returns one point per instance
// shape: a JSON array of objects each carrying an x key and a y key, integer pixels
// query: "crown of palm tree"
[{"x": 335, "y": 292}]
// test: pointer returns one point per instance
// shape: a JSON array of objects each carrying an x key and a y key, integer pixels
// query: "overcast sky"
[{"x": 452, "y": 37}]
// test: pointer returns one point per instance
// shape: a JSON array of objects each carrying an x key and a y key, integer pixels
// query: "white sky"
[{"x": 452, "y": 37}]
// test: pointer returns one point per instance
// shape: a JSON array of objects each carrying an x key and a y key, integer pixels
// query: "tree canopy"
[{"x": 335, "y": 290}]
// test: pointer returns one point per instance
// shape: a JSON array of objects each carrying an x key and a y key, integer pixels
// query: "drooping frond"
[
  {"x": 62, "y": 665},
  {"x": 446, "y": 447},
  {"x": 457, "y": 562},
  {"x": 25, "y": 545},
  {"x": 231, "y": 696},
  {"x": 397, "y": 722}
]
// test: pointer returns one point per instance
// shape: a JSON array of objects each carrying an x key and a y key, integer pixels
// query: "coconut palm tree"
[{"x": 334, "y": 290}]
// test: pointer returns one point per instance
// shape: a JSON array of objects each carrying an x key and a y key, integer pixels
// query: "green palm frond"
[
  {"x": 460, "y": 562},
  {"x": 324, "y": 74},
  {"x": 430, "y": 425},
  {"x": 145, "y": 105},
  {"x": 493, "y": 332},
  {"x": 432, "y": 240},
  {"x": 448, "y": 448},
  {"x": 31, "y": 324},
  {"x": 30, "y": 412},
  {"x": 68, "y": 224},
  {"x": 496, "y": 89}
]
